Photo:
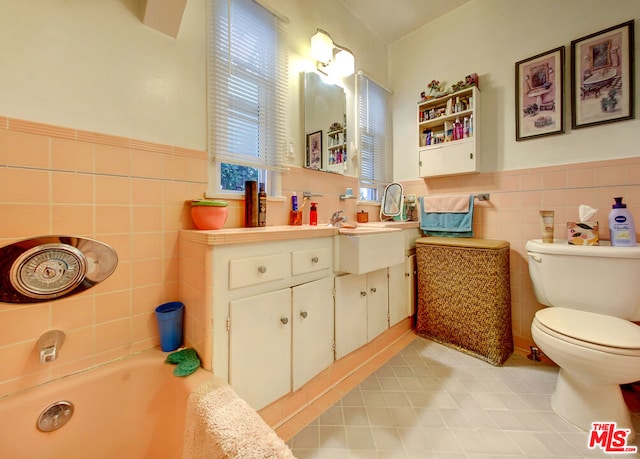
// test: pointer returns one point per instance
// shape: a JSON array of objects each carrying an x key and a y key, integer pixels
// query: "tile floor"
[{"x": 430, "y": 401}]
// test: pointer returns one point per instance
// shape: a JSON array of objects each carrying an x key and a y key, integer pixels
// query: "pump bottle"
[{"x": 622, "y": 229}]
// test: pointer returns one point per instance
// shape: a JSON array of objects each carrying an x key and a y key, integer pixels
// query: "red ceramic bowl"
[{"x": 208, "y": 215}]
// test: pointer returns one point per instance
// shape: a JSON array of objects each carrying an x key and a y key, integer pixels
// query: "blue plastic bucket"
[{"x": 169, "y": 316}]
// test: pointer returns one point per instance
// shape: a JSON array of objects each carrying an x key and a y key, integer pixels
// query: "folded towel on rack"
[
  {"x": 446, "y": 203},
  {"x": 448, "y": 223}
]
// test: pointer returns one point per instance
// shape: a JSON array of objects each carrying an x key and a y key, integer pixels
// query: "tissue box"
[{"x": 583, "y": 233}]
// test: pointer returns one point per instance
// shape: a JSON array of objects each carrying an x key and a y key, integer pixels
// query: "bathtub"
[{"x": 133, "y": 408}]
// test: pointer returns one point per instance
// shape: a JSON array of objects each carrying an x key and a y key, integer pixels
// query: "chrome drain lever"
[{"x": 55, "y": 416}]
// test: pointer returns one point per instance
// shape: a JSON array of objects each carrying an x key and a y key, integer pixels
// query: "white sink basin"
[{"x": 364, "y": 249}]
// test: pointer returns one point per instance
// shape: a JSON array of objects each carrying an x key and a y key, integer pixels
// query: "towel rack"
[{"x": 482, "y": 196}]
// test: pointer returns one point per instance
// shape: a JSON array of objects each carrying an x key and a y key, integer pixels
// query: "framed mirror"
[
  {"x": 325, "y": 124},
  {"x": 392, "y": 202}
]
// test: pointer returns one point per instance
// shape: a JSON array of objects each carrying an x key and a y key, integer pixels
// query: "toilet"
[{"x": 594, "y": 294}]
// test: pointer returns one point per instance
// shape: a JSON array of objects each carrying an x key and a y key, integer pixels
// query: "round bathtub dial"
[{"x": 48, "y": 270}]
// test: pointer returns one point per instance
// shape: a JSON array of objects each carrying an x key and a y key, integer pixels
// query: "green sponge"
[{"x": 187, "y": 361}]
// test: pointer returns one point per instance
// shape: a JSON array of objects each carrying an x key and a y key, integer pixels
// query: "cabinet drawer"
[
  {"x": 306, "y": 261},
  {"x": 250, "y": 271}
]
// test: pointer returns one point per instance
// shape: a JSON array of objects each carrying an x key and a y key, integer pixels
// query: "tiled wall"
[
  {"x": 511, "y": 214},
  {"x": 132, "y": 194},
  {"x": 126, "y": 193}
]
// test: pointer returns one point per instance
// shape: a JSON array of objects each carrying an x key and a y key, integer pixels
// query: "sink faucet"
[
  {"x": 337, "y": 219},
  {"x": 48, "y": 345}
]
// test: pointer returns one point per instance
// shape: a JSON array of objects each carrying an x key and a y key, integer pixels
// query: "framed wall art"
[
  {"x": 314, "y": 150},
  {"x": 540, "y": 95},
  {"x": 602, "y": 74}
]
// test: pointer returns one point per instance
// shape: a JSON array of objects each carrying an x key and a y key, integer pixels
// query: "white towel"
[
  {"x": 220, "y": 425},
  {"x": 446, "y": 203}
]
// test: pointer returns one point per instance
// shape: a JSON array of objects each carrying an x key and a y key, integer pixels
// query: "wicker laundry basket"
[{"x": 464, "y": 297}]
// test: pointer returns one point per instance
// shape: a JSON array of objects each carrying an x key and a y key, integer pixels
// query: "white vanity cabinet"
[
  {"x": 361, "y": 309},
  {"x": 268, "y": 309},
  {"x": 273, "y": 315}
]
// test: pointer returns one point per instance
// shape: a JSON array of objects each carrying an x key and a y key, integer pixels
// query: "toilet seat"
[{"x": 587, "y": 329}]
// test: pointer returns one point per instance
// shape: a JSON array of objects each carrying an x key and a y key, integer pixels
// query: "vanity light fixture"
[{"x": 331, "y": 58}]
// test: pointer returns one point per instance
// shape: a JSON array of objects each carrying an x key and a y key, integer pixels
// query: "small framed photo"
[
  {"x": 314, "y": 150},
  {"x": 540, "y": 95},
  {"x": 602, "y": 77}
]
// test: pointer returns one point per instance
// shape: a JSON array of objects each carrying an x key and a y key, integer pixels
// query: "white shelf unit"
[
  {"x": 337, "y": 150},
  {"x": 438, "y": 153}
]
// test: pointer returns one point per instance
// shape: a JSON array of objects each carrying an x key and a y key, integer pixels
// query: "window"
[
  {"x": 374, "y": 138},
  {"x": 247, "y": 89}
]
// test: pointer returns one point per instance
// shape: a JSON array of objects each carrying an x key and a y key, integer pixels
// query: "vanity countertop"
[{"x": 226, "y": 236}]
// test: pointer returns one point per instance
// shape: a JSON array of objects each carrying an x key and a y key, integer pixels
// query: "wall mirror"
[{"x": 324, "y": 124}]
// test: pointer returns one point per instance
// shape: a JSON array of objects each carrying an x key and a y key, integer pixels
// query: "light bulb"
[
  {"x": 345, "y": 63},
  {"x": 322, "y": 47}
]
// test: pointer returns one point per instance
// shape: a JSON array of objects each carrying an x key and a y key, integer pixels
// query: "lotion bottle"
[
  {"x": 622, "y": 229},
  {"x": 313, "y": 214}
]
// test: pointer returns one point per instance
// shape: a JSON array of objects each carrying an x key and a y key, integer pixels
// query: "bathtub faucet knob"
[{"x": 48, "y": 345}]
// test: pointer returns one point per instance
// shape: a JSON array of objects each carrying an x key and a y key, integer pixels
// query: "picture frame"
[
  {"x": 314, "y": 150},
  {"x": 602, "y": 76},
  {"x": 540, "y": 95}
]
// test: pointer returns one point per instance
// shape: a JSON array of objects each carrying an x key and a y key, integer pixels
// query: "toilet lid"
[{"x": 590, "y": 327}]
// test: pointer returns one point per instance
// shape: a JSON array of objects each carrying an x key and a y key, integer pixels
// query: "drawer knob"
[
  {"x": 363, "y": 293},
  {"x": 262, "y": 269},
  {"x": 373, "y": 290},
  {"x": 303, "y": 314},
  {"x": 284, "y": 320},
  {"x": 314, "y": 260}
]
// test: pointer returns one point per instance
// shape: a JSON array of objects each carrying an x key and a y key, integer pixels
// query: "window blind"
[
  {"x": 373, "y": 138},
  {"x": 247, "y": 85}
]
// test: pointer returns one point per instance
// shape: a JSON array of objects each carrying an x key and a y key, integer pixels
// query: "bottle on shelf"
[
  {"x": 458, "y": 131},
  {"x": 313, "y": 214},
  {"x": 262, "y": 206},
  {"x": 465, "y": 127}
]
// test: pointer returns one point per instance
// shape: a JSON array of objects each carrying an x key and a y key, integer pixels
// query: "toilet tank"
[{"x": 600, "y": 279}]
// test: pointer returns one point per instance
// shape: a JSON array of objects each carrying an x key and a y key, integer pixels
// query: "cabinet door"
[
  {"x": 457, "y": 157},
  {"x": 402, "y": 290},
  {"x": 260, "y": 347},
  {"x": 350, "y": 313},
  {"x": 377, "y": 303},
  {"x": 312, "y": 319},
  {"x": 399, "y": 306}
]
